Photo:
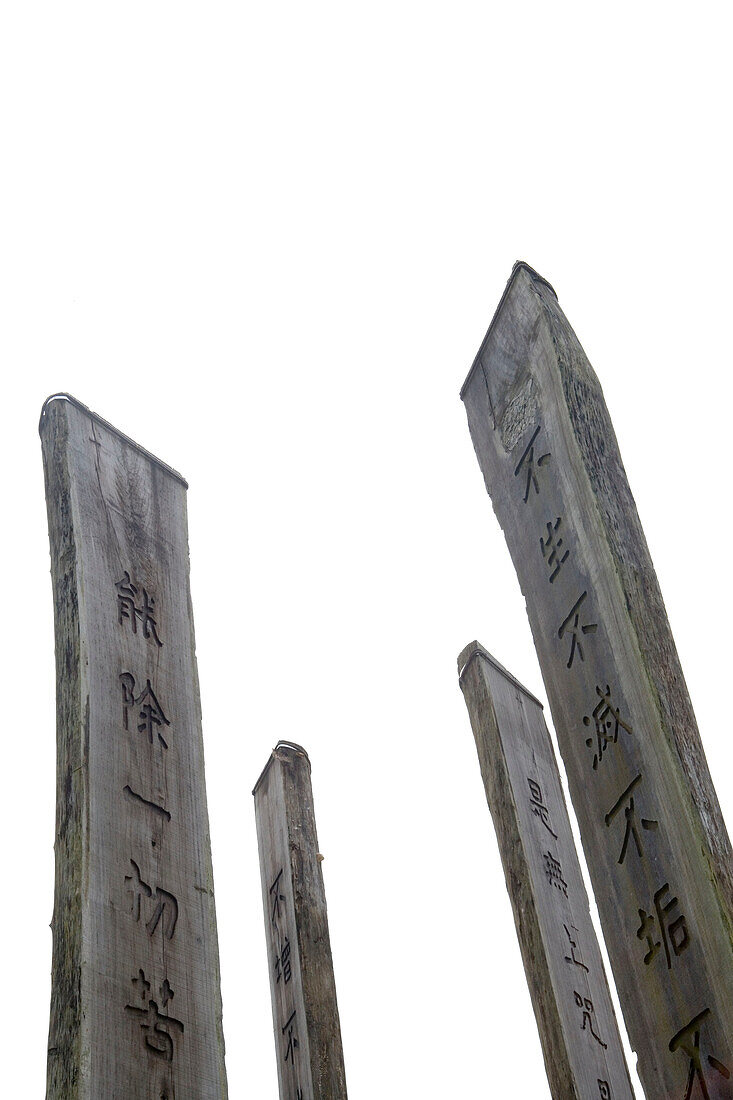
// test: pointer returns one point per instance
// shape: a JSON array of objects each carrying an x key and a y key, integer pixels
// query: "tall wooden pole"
[
  {"x": 654, "y": 839},
  {"x": 305, "y": 1017},
  {"x": 580, "y": 1040},
  {"x": 135, "y": 1002}
]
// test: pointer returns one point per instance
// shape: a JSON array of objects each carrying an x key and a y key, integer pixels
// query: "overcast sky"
[{"x": 266, "y": 241}]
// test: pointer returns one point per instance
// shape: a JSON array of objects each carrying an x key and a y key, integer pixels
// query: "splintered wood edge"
[{"x": 282, "y": 749}]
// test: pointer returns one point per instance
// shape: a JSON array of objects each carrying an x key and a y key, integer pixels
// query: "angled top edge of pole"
[
  {"x": 535, "y": 276},
  {"x": 282, "y": 749},
  {"x": 110, "y": 428},
  {"x": 475, "y": 649}
]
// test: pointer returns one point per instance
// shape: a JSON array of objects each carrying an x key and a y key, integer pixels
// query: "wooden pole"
[
  {"x": 310, "y": 1063},
  {"x": 135, "y": 1002},
  {"x": 580, "y": 1040},
  {"x": 653, "y": 835}
]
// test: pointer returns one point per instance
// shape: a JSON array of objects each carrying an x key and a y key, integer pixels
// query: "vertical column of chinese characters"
[
  {"x": 608, "y": 730},
  {"x": 554, "y": 874},
  {"x": 283, "y": 974},
  {"x": 153, "y": 907}
]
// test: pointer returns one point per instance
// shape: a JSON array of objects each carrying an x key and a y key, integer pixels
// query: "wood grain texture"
[
  {"x": 653, "y": 835},
  {"x": 135, "y": 1004},
  {"x": 580, "y": 1041},
  {"x": 302, "y": 984}
]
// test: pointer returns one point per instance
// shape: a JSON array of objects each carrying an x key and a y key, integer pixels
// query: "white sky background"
[{"x": 266, "y": 241}]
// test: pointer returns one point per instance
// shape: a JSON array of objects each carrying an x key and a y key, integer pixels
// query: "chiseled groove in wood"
[
  {"x": 618, "y": 515},
  {"x": 65, "y": 1030},
  {"x": 497, "y": 783}
]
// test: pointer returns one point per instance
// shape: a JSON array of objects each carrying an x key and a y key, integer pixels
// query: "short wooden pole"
[
  {"x": 580, "y": 1040},
  {"x": 305, "y": 1017}
]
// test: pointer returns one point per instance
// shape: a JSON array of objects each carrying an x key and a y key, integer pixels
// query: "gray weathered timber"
[
  {"x": 135, "y": 1002},
  {"x": 310, "y": 1063},
  {"x": 653, "y": 835},
  {"x": 581, "y": 1044}
]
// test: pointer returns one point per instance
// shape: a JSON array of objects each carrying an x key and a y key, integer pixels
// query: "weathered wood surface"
[
  {"x": 580, "y": 1040},
  {"x": 135, "y": 1004},
  {"x": 653, "y": 835},
  {"x": 305, "y": 1017}
]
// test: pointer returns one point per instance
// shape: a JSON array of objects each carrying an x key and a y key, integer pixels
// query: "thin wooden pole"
[
  {"x": 310, "y": 1061},
  {"x": 580, "y": 1040}
]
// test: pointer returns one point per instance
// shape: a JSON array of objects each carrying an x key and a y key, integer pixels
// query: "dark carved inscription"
[
  {"x": 687, "y": 1040},
  {"x": 292, "y": 1039},
  {"x": 276, "y": 896},
  {"x": 586, "y": 1007},
  {"x": 576, "y": 960},
  {"x": 663, "y": 926},
  {"x": 164, "y": 904},
  {"x": 551, "y": 548},
  {"x": 571, "y": 625},
  {"x": 133, "y": 796},
  {"x": 530, "y": 467},
  {"x": 673, "y": 931},
  {"x": 157, "y": 1026},
  {"x": 131, "y": 609},
  {"x": 553, "y": 870},
  {"x": 626, "y": 800},
  {"x": 538, "y": 807},
  {"x": 607, "y": 721},
  {"x": 151, "y": 717},
  {"x": 283, "y": 968}
]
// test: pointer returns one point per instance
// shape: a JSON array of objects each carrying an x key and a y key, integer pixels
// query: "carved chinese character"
[
  {"x": 283, "y": 967},
  {"x": 293, "y": 1043},
  {"x": 687, "y": 1040},
  {"x": 631, "y": 822},
  {"x": 586, "y": 1005},
  {"x": 165, "y": 911},
  {"x": 531, "y": 465},
  {"x": 552, "y": 547},
  {"x": 604, "y": 1089},
  {"x": 157, "y": 1025},
  {"x": 572, "y": 957},
  {"x": 128, "y": 609},
  {"x": 673, "y": 932},
  {"x": 553, "y": 870},
  {"x": 571, "y": 625},
  {"x": 151, "y": 717},
  {"x": 607, "y": 722},
  {"x": 538, "y": 807},
  {"x": 276, "y": 896}
]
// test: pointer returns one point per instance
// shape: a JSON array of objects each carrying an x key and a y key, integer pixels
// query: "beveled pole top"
[{"x": 110, "y": 428}]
